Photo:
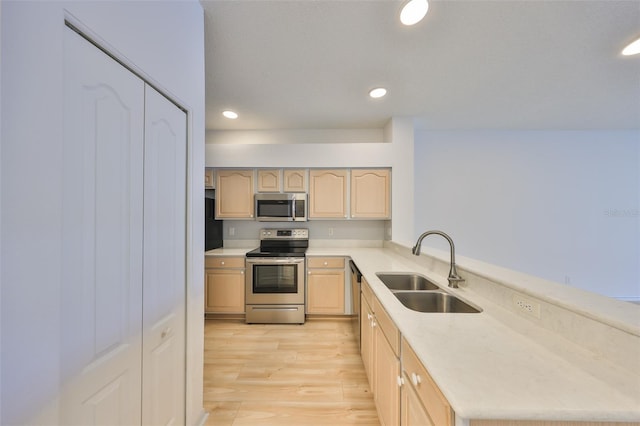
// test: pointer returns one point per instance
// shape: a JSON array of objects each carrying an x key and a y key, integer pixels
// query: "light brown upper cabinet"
[
  {"x": 269, "y": 180},
  {"x": 295, "y": 180},
  {"x": 328, "y": 194},
  {"x": 209, "y": 179},
  {"x": 370, "y": 194},
  {"x": 234, "y": 193}
]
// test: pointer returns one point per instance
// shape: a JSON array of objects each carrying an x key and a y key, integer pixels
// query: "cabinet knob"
[
  {"x": 222, "y": 262},
  {"x": 416, "y": 379},
  {"x": 400, "y": 381},
  {"x": 326, "y": 263}
]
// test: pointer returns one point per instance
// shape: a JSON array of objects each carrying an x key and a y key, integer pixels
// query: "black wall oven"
[{"x": 275, "y": 277}]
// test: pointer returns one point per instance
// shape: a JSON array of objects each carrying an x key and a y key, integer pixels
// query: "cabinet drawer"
[
  {"x": 367, "y": 293},
  {"x": 388, "y": 327},
  {"x": 434, "y": 401},
  {"x": 325, "y": 262},
  {"x": 223, "y": 262}
]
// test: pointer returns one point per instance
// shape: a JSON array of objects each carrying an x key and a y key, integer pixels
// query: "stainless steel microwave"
[{"x": 276, "y": 207}]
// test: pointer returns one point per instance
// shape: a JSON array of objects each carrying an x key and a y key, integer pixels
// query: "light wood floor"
[{"x": 281, "y": 374}]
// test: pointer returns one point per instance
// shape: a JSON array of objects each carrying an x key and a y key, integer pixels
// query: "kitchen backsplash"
[{"x": 240, "y": 233}]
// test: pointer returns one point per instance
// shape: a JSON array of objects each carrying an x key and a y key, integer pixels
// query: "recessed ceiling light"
[
  {"x": 378, "y": 92},
  {"x": 230, "y": 114},
  {"x": 632, "y": 49},
  {"x": 414, "y": 11}
]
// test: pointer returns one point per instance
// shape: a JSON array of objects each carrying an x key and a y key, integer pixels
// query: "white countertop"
[{"x": 494, "y": 364}]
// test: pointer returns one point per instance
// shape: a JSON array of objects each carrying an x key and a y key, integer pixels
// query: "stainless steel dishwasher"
[{"x": 356, "y": 278}]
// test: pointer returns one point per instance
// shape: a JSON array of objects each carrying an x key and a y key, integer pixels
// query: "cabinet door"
[
  {"x": 268, "y": 180},
  {"x": 234, "y": 194},
  {"x": 412, "y": 411},
  {"x": 387, "y": 371},
  {"x": 325, "y": 291},
  {"x": 295, "y": 181},
  {"x": 209, "y": 182},
  {"x": 164, "y": 285},
  {"x": 102, "y": 222},
  {"x": 427, "y": 390},
  {"x": 224, "y": 291},
  {"x": 328, "y": 194},
  {"x": 370, "y": 194},
  {"x": 367, "y": 326}
]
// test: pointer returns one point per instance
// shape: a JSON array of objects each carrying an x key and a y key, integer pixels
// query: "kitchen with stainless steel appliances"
[{"x": 275, "y": 277}]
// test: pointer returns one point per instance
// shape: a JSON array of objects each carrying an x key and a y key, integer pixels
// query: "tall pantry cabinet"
[{"x": 123, "y": 271}]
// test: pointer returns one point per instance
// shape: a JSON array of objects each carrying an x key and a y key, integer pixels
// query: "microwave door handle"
[{"x": 293, "y": 210}]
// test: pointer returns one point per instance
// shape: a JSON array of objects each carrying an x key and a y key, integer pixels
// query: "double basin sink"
[{"x": 418, "y": 293}]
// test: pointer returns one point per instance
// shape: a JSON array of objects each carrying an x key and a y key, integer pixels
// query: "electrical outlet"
[
  {"x": 331, "y": 231},
  {"x": 232, "y": 230},
  {"x": 527, "y": 306}
]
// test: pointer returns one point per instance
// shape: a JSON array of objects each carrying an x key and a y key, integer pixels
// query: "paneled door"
[
  {"x": 101, "y": 264},
  {"x": 124, "y": 250},
  {"x": 164, "y": 283}
]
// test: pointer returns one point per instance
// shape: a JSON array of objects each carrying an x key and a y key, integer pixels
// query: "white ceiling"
[{"x": 536, "y": 64}]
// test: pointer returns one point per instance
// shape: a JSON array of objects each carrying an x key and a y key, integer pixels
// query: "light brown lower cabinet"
[
  {"x": 387, "y": 367},
  {"x": 366, "y": 339},
  {"x": 224, "y": 285},
  {"x": 413, "y": 412},
  {"x": 379, "y": 349},
  {"x": 325, "y": 285},
  {"x": 430, "y": 398}
]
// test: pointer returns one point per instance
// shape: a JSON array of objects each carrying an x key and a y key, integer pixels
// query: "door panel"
[
  {"x": 164, "y": 285},
  {"x": 101, "y": 294}
]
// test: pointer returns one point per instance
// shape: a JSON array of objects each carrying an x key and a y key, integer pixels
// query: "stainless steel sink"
[
  {"x": 406, "y": 281},
  {"x": 434, "y": 301}
]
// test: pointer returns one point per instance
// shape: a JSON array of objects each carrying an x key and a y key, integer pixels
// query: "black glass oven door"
[{"x": 270, "y": 279}]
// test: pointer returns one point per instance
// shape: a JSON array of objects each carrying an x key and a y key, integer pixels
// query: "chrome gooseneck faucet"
[{"x": 453, "y": 278}]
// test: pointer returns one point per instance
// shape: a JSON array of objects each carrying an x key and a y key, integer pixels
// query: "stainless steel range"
[{"x": 275, "y": 278}]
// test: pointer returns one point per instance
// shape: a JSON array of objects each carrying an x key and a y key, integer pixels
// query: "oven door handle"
[{"x": 274, "y": 260}]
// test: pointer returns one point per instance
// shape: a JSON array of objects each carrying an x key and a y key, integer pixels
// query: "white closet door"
[
  {"x": 101, "y": 295},
  {"x": 165, "y": 201}
]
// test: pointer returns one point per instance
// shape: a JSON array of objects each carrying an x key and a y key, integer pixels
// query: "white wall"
[
  {"x": 558, "y": 205},
  {"x": 400, "y": 131},
  {"x": 295, "y": 136},
  {"x": 325, "y": 154},
  {"x": 165, "y": 42},
  {"x": 0, "y": 204}
]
